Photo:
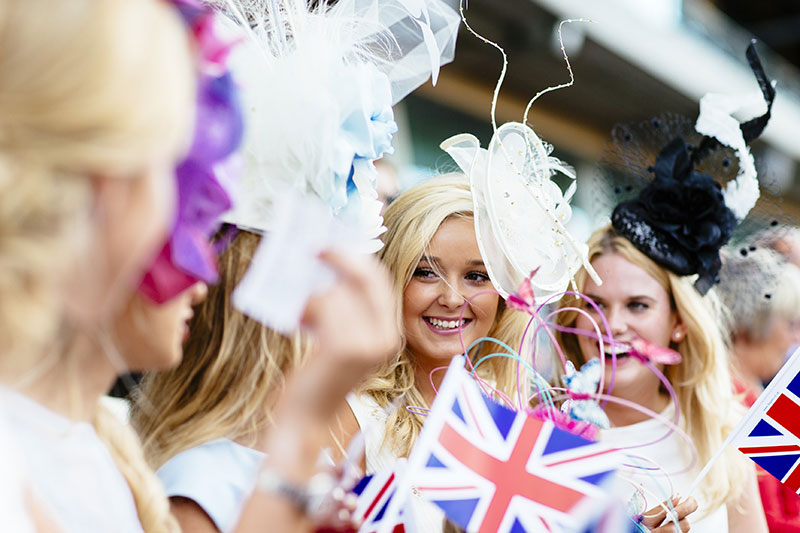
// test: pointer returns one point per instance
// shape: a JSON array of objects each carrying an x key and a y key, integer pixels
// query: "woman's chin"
[{"x": 441, "y": 354}]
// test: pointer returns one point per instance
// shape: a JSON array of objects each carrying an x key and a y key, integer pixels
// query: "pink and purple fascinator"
[{"x": 188, "y": 256}]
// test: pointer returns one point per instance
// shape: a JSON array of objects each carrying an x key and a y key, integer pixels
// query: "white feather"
[
  {"x": 716, "y": 120},
  {"x": 313, "y": 79}
]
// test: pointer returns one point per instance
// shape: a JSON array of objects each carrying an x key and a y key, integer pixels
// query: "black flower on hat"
[{"x": 680, "y": 219}]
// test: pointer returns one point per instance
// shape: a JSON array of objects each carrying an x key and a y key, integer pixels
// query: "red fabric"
[{"x": 781, "y": 504}]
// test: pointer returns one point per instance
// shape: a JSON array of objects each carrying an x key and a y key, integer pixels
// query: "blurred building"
[{"x": 637, "y": 59}]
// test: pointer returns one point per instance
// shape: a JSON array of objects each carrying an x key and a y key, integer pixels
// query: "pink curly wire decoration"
[{"x": 604, "y": 392}]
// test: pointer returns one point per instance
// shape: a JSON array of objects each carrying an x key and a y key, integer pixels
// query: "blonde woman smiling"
[{"x": 447, "y": 303}]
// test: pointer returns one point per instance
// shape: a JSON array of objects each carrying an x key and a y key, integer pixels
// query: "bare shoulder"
[{"x": 191, "y": 516}]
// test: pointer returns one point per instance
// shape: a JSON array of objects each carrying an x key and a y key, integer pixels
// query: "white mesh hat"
[{"x": 318, "y": 88}]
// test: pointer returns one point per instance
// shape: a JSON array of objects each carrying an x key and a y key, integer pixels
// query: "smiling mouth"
[
  {"x": 620, "y": 349},
  {"x": 447, "y": 325}
]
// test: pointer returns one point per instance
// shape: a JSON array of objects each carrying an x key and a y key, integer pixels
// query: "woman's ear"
[{"x": 679, "y": 331}]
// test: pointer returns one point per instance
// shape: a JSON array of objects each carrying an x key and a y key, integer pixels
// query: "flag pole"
[{"x": 713, "y": 460}]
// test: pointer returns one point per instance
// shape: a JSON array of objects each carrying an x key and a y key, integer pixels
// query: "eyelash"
[
  {"x": 424, "y": 273},
  {"x": 482, "y": 277},
  {"x": 633, "y": 306},
  {"x": 474, "y": 276},
  {"x": 590, "y": 307}
]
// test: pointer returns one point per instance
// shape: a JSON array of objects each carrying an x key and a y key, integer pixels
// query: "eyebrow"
[
  {"x": 634, "y": 297},
  {"x": 435, "y": 260}
]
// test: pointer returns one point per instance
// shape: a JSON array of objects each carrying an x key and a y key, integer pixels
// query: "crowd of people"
[{"x": 120, "y": 129}]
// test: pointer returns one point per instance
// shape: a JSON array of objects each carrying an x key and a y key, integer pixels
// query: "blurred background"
[{"x": 638, "y": 59}]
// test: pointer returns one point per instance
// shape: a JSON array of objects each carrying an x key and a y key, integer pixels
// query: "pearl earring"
[{"x": 677, "y": 335}]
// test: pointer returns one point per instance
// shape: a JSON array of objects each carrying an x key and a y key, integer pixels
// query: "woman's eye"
[
  {"x": 589, "y": 307},
  {"x": 424, "y": 273},
  {"x": 638, "y": 306},
  {"x": 479, "y": 277}
]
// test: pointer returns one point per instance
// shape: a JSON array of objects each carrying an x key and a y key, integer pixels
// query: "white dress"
[
  {"x": 71, "y": 472},
  {"x": 671, "y": 456},
  {"x": 14, "y": 483},
  {"x": 372, "y": 418},
  {"x": 219, "y": 476}
]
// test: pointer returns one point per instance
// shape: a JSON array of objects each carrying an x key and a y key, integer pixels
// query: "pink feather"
[
  {"x": 657, "y": 354},
  {"x": 524, "y": 299}
]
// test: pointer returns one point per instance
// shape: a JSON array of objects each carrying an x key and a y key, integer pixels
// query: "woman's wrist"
[{"x": 291, "y": 470}]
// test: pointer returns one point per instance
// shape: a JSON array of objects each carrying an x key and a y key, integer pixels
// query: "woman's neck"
[
  {"x": 622, "y": 415},
  {"x": 423, "y": 377},
  {"x": 68, "y": 383}
]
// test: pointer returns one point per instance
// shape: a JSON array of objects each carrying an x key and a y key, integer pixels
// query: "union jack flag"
[
  {"x": 770, "y": 432},
  {"x": 491, "y": 469},
  {"x": 374, "y": 494}
]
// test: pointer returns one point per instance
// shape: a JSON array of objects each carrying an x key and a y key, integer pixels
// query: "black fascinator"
[{"x": 683, "y": 215}]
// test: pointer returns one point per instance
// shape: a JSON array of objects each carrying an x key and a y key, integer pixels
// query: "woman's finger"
[
  {"x": 670, "y": 527},
  {"x": 686, "y": 507}
]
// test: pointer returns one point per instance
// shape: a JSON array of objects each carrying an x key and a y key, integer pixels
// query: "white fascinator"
[
  {"x": 520, "y": 212},
  {"x": 319, "y": 83}
]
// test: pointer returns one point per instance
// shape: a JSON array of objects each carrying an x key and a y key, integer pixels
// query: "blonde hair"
[
  {"x": 82, "y": 94},
  {"x": 232, "y": 369},
  {"x": 412, "y": 220},
  {"x": 702, "y": 380}
]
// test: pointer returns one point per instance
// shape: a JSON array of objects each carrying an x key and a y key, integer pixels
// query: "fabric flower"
[
  {"x": 680, "y": 219},
  {"x": 366, "y": 129},
  {"x": 188, "y": 256},
  {"x": 563, "y": 421}
]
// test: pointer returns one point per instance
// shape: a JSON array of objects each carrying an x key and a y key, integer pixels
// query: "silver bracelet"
[{"x": 271, "y": 482}]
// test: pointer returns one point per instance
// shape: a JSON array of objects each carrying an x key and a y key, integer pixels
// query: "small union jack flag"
[
  {"x": 374, "y": 494},
  {"x": 491, "y": 469},
  {"x": 770, "y": 433}
]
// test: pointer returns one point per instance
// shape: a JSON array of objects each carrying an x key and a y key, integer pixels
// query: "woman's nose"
[
  {"x": 450, "y": 297},
  {"x": 199, "y": 292},
  {"x": 616, "y": 321}
]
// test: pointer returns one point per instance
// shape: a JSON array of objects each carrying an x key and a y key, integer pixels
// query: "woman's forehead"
[
  {"x": 622, "y": 278},
  {"x": 455, "y": 241}
]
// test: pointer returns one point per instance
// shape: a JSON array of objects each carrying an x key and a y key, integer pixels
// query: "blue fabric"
[{"x": 218, "y": 476}]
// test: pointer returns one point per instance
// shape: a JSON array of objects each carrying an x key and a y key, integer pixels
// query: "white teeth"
[
  {"x": 617, "y": 349},
  {"x": 446, "y": 324}
]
